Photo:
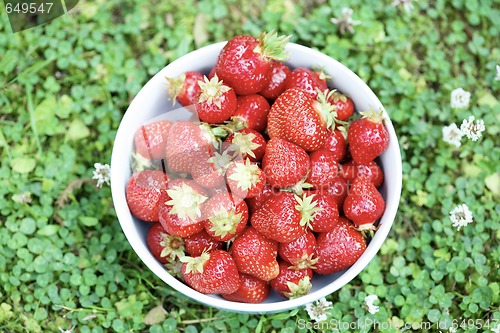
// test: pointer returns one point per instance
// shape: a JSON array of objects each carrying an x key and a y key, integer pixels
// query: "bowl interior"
[{"x": 152, "y": 102}]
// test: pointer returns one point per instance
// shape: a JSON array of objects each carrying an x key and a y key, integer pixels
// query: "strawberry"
[
  {"x": 276, "y": 83},
  {"x": 284, "y": 163},
  {"x": 255, "y": 254},
  {"x": 145, "y": 193},
  {"x": 301, "y": 119},
  {"x": 364, "y": 205},
  {"x": 201, "y": 242},
  {"x": 339, "y": 248},
  {"x": 256, "y": 202},
  {"x": 150, "y": 140},
  {"x": 181, "y": 215},
  {"x": 283, "y": 217},
  {"x": 211, "y": 273},
  {"x": 217, "y": 101},
  {"x": 245, "y": 179},
  {"x": 251, "y": 112},
  {"x": 251, "y": 290},
  {"x": 226, "y": 216},
  {"x": 249, "y": 143},
  {"x": 306, "y": 79},
  {"x": 327, "y": 213},
  {"x": 371, "y": 170},
  {"x": 185, "y": 88},
  {"x": 338, "y": 191},
  {"x": 299, "y": 252},
  {"x": 368, "y": 137},
  {"x": 291, "y": 282},
  {"x": 209, "y": 172},
  {"x": 163, "y": 246},
  {"x": 344, "y": 106},
  {"x": 324, "y": 168},
  {"x": 336, "y": 143},
  {"x": 187, "y": 143},
  {"x": 245, "y": 61}
]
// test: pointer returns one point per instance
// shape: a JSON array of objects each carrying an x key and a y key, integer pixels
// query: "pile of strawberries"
[{"x": 276, "y": 181}]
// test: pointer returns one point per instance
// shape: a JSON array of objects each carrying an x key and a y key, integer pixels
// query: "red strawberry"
[
  {"x": 299, "y": 252},
  {"x": 211, "y": 273},
  {"x": 209, "y": 171},
  {"x": 283, "y": 217},
  {"x": 185, "y": 88},
  {"x": 255, "y": 254},
  {"x": 336, "y": 143},
  {"x": 344, "y": 105},
  {"x": 249, "y": 143},
  {"x": 306, "y": 79},
  {"x": 284, "y": 163},
  {"x": 371, "y": 170},
  {"x": 163, "y": 246},
  {"x": 278, "y": 74},
  {"x": 150, "y": 140},
  {"x": 217, "y": 101},
  {"x": 256, "y": 202},
  {"x": 145, "y": 193},
  {"x": 327, "y": 214},
  {"x": 201, "y": 242},
  {"x": 339, "y": 248},
  {"x": 301, "y": 119},
  {"x": 324, "y": 168},
  {"x": 245, "y": 179},
  {"x": 181, "y": 215},
  {"x": 187, "y": 143},
  {"x": 338, "y": 190},
  {"x": 245, "y": 61},
  {"x": 368, "y": 138},
  {"x": 251, "y": 112},
  {"x": 364, "y": 205},
  {"x": 291, "y": 282},
  {"x": 251, "y": 290},
  {"x": 226, "y": 216}
]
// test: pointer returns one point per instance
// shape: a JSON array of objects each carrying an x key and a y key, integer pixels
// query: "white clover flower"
[
  {"x": 69, "y": 330},
  {"x": 496, "y": 329},
  {"x": 452, "y": 135},
  {"x": 461, "y": 216},
  {"x": 101, "y": 174},
  {"x": 22, "y": 198},
  {"x": 473, "y": 131},
  {"x": 452, "y": 329},
  {"x": 497, "y": 78},
  {"x": 369, "y": 303},
  {"x": 345, "y": 21},
  {"x": 459, "y": 98},
  {"x": 407, "y": 4},
  {"x": 318, "y": 310}
]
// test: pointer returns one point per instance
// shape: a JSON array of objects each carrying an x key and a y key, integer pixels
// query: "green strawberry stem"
[
  {"x": 374, "y": 116},
  {"x": 173, "y": 246},
  {"x": 300, "y": 289},
  {"x": 195, "y": 264},
  {"x": 272, "y": 46},
  {"x": 307, "y": 208},
  {"x": 174, "y": 86},
  {"x": 322, "y": 73},
  {"x": 326, "y": 110},
  {"x": 307, "y": 261}
]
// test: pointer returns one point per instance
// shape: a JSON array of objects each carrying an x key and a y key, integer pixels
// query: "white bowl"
[{"x": 152, "y": 101}]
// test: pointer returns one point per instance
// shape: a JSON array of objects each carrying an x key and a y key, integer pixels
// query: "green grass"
[{"x": 63, "y": 92}]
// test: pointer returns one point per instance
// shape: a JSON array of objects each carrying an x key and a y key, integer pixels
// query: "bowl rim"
[{"x": 125, "y": 218}]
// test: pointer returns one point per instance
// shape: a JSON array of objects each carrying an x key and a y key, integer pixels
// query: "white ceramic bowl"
[{"x": 152, "y": 101}]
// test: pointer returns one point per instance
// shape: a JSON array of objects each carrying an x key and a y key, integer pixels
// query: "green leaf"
[
  {"x": 155, "y": 316},
  {"x": 77, "y": 130},
  {"x": 88, "y": 221},
  {"x": 23, "y": 164},
  {"x": 49, "y": 230},
  {"x": 493, "y": 183}
]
